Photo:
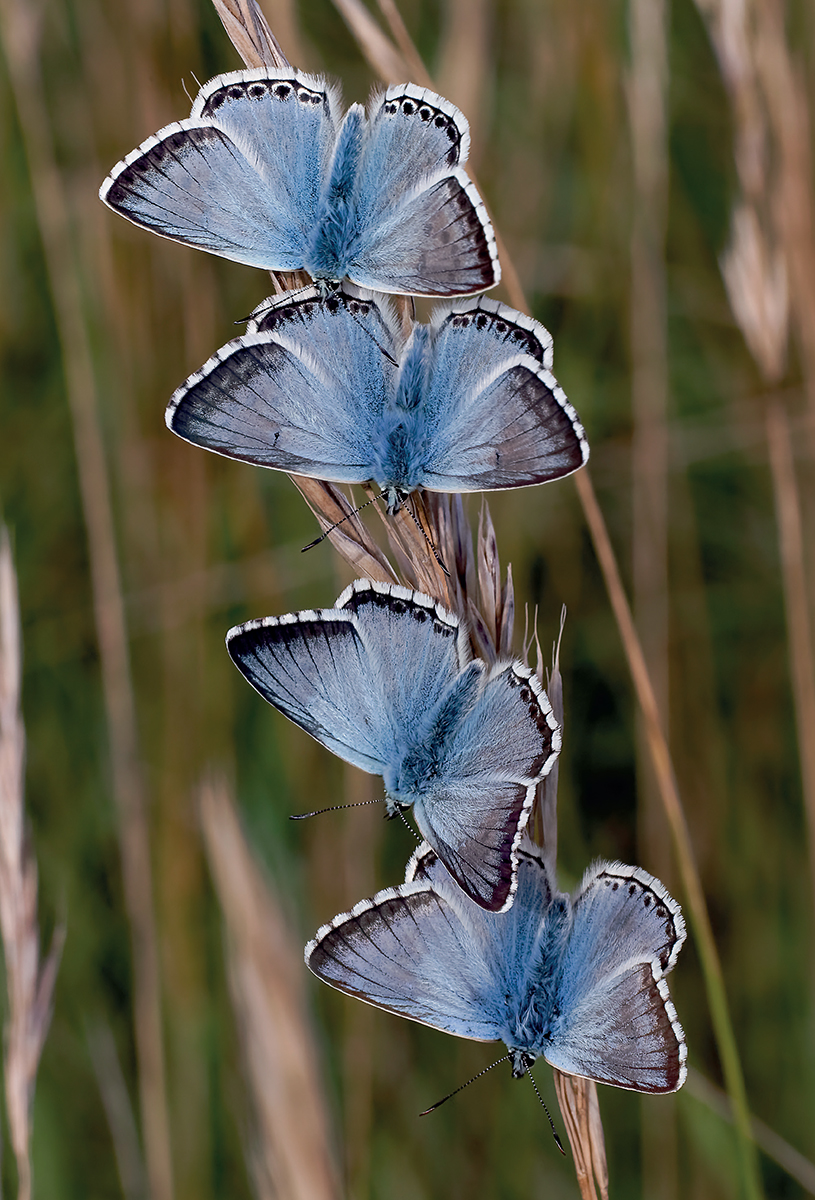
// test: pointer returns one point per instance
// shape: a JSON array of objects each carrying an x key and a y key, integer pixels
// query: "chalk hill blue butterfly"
[
  {"x": 579, "y": 980},
  {"x": 330, "y": 387},
  {"x": 266, "y": 171},
  {"x": 385, "y": 680}
]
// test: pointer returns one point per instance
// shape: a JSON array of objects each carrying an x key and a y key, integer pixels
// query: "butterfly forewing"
[
  {"x": 241, "y": 177},
  {"x": 355, "y": 676},
  {"x": 400, "y": 951},
  {"x": 303, "y": 392}
]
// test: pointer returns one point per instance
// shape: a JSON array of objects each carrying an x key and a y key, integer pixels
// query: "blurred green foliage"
[{"x": 204, "y": 543}]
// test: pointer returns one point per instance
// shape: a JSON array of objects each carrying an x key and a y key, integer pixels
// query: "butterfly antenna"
[
  {"x": 333, "y": 808},
  {"x": 558, "y": 1142},
  {"x": 408, "y": 826},
  {"x": 428, "y": 539},
  {"x": 439, "y": 1103},
  {"x": 375, "y": 341},
  {"x": 323, "y": 536}
]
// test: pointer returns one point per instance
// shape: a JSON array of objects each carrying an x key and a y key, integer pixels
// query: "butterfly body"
[
  {"x": 579, "y": 981},
  {"x": 385, "y": 680},
  {"x": 267, "y": 172},
  {"x": 332, "y": 388}
]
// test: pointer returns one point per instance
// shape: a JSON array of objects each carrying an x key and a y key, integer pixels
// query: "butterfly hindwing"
[
  {"x": 303, "y": 391},
  {"x": 479, "y": 807},
  {"x": 501, "y": 418},
  {"x": 617, "y": 1023}
]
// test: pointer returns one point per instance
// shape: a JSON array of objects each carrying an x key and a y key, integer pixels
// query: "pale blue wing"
[
  {"x": 242, "y": 176},
  {"x": 436, "y": 240},
  {"x": 416, "y": 648},
  {"x": 313, "y": 667},
  {"x": 302, "y": 391},
  {"x": 411, "y": 951},
  {"x": 483, "y": 794},
  {"x": 421, "y": 225},
  {"x": 617, "y": 1023},
  {"x": 499, "y": 417},
  {"x": 425, "y": 951},
  {"x": 353, "y": 676}
]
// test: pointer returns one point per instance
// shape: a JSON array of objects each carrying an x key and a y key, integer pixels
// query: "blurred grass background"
[{"x": 203, "y": 543}]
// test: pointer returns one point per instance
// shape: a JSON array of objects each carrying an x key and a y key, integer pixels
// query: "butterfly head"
[
  {"x": 520, "y": 1061},
  {"x": 395, "y": 497}
]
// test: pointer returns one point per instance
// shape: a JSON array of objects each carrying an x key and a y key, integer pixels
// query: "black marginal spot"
[
  {"x": 235, "y": 91},
  {"x": 391, "y": 107},
  {"x": 283, "y": 91},
  {"x": 257, "y": 90},
  {"x": 216, "y": 101},
  {"x": 425, "y": 113},
  {"x": 408, "y": 108}
]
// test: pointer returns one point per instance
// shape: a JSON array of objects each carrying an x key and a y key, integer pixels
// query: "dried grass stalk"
[
  {"x": 30, "y": 986},
  {"x": 580, "y": 1109},
  {"x": 20, "y": 28},
  {"x": 802, "y": 665},
  {"x": 292, "y": 1158}
]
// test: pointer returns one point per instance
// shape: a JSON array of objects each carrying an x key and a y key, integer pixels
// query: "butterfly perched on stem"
[
  {"x": 385, "y": 680},
  {"x": 266, "y": 171},
  {"x": 578, "y": 980}
]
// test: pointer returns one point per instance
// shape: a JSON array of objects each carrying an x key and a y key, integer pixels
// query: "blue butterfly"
[
  {"x": 266, "y": 171},
  {"x": 579, "y": 980},
  {"x": 385, "y": 680},
  {"x": 330, "y": 387}
]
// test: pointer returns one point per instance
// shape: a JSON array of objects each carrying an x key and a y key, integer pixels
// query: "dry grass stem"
[
  {"x": 756, "y": 280},
  {"x": 30, "y": 985},
  {"x": 580, "y": 1109},
  {"x": 292, "y": 1155},
  {"x": 802, "y": 667},
  {"x": 119, "y": 1112},
  {"x": 250, "y": 34},
  {"x": 686, "y": 859},
  {"x": 19, "y": 25}
]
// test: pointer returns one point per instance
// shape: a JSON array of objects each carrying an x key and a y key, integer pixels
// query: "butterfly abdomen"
[{"x": 334, "y": 232}]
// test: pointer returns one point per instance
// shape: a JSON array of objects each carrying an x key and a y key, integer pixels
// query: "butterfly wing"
[
  {"x": 617, "y": 1023},
  {"x": 416, "y": 648},
  {"x": 499, "y": 417},
  {"x": 491, "y": 765},
  {"x": 300, "y": 392},
  {"x": 424, "y": 951},
  {"x": 352, "y": 675},
  {"x": 242, "y": 176},
  {"x": 414, "y": 951},
  {"x": 422, "y": 226}
]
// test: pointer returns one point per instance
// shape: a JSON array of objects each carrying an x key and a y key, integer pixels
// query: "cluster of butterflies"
[{"x": 327, "y": 382}]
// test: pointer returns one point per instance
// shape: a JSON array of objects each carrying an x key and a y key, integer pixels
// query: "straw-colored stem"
[
  {"x": 647, "y": 85},
  {"x": 19, "y": 27},
  {"x": 293, "y": 1157},
  {"x": 802, "y": 669},
  {"x": 669, "y": 793}
]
